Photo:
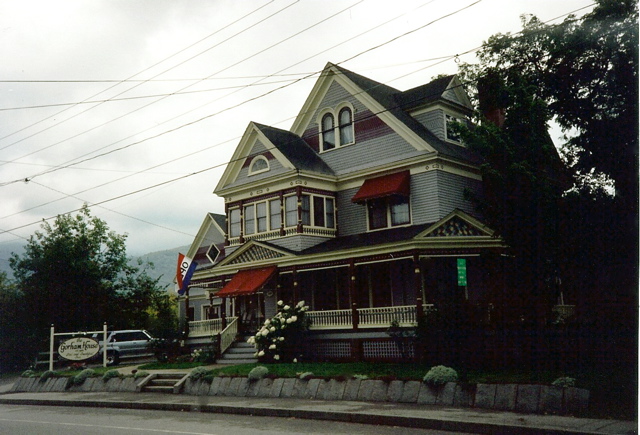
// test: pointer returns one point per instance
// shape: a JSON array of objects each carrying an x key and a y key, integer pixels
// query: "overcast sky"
[{"x": 136, "y": 106}]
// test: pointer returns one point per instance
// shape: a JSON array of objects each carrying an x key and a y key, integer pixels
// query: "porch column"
[
  {"x": 352, "y": 295},
  {"x": 186, "y": 313},
  {"x": 417, "y": 285},
  {"x": 296, "y": 290},
  {"x": 223, "y": 309}
]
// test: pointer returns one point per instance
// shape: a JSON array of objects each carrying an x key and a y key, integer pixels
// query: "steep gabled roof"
[
  {"x": 295, "y": 149},
  {"x": 392, "y": 100}
]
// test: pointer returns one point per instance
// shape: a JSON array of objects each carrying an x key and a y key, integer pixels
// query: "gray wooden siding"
[
  {"x": 434, "y": 122},
  {"x": 424, "y": 198},
  {"x": 451, "y": 193},
  {"x": 352, "y": 218},
  {"x": 364, "y": 153},
  {"x": 275, "y": 168}
]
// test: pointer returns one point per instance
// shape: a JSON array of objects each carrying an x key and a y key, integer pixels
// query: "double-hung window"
[
  {"x": 249, "y": 219},
  {"x": 315, "y": 210},
  {"x": 261, "y": 216},
  {"x": 234, "y": 222},
  {"x": 334, "y": 135},
  {"x": 388, "y": 212},
  {"x": 291, "y": 211},
  {"x": 275, "y": 215}
]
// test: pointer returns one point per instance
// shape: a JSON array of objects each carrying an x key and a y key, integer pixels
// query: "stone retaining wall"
[{"x": 508, "y": 397}]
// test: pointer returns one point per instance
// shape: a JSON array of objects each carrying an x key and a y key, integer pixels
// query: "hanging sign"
[
  {"x": 78, "y": 349},
  {"x": 462, "y": 272}
]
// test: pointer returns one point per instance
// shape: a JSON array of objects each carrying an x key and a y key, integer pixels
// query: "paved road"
[{"x": 43, "y": 420}]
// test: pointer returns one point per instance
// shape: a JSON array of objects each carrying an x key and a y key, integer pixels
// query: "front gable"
[
  {"x": 254, "y": 144},
  {"x": 254, "y": 253},
  {"x": 456, "y": 224},
  {"x": 370, "y": 95},
  {"x": 205, "y": 247}
]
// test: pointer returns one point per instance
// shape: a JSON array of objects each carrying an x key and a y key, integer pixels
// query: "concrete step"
[
  {"x": 237, "y": 361},
  {"x": 158, "y": 389}
]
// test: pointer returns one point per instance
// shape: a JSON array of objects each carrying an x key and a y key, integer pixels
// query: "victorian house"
[{"x": 359, "y": 210}]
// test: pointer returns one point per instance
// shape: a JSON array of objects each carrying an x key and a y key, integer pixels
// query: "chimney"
[{"x": 492, "y": 98}]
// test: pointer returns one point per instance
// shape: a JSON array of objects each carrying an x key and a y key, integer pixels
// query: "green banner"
[{"x": 462, "y": 272}]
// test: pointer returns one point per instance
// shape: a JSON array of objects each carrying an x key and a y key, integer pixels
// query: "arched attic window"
[
  {"x": 258, "y": 165},
  {"x": 345, "y": 125},
  {"x": 328, "y": 132}
]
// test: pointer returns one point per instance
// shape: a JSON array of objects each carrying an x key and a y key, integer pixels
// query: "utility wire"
[
  {"x": 146, "y": 69},
  {"x": 215, "y": 166}
]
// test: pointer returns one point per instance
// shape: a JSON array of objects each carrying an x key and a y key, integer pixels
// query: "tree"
[
  {"x": 14, "y": 347},
  {"x": 582, "y": 74},
  {"x": 75, "y": 274}
]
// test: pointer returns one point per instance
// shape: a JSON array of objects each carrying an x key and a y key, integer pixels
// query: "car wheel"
[{"x": 113, "y": 358}]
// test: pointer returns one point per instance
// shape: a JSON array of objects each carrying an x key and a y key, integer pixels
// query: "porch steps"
[
  {"x": 240, "y": 352},
  {"x": 162, "y": 383}
]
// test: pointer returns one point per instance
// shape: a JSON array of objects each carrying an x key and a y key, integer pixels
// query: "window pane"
[
  {"x": 259, "y": 165},
  {"x": 346, "y": 127},
  {"x": 234, "y": 222},
  {"x": 318, "y": 211},
  {"x": 275, "y": 218},
  {"x": 377, "y": 213},
  {"x": 261, "y": 216},
  {"x": 329, "y": 210},
  {"x": 249, "y": 220},
  {"x": 306, "y": 210},
  {"x": 291, "y": 210},
  {"x": 400, "y": 211},
  {"x": 328, "y": 133},
  {"x": 451, "y": 133}
]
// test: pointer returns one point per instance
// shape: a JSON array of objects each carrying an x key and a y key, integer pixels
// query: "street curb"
[{"x": 339, "y": 416}]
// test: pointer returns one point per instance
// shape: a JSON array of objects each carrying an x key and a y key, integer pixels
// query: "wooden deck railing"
[
  {"x": 228, "y": 336},
  {"x": 368, "y": 317}
]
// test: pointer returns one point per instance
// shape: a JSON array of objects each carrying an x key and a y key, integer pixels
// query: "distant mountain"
[
  {"x": 6, "y": 249},
  {"x": 164, "y": 264},
  {"x": 164, "y": 261}
]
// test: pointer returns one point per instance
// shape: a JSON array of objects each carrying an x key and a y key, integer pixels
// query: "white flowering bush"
[
  {"x": 440, "y": 375},
  {"x": 280, "y": 339}
]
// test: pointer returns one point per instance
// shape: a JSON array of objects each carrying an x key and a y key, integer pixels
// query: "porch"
[{"x": 379, "y": 317}]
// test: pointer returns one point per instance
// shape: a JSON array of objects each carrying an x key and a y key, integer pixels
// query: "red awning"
[
  {"x": 387, "y": 185},
  {"x": 247, "y": 282}
]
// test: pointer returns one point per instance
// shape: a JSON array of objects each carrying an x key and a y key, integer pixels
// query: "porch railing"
[
  {"x": 202, "y": 328},
  {"x": 228, "y": 336},
  {"x": 368, "y": 317}
]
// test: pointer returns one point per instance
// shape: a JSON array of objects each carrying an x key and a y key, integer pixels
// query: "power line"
[
  {"x": 146, "y": 69},
  {"x": 213, "y": 167}
]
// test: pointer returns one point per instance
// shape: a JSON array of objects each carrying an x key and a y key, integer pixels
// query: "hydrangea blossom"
[{"x": 279, "y": 337}]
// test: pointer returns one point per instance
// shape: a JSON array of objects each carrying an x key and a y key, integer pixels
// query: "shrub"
[
  {"x": 258, "y": 373},
  {"x": 198, "y": 373},
  {"x": 305, "y": 376},
  {"x": 110, "y": 374},
  {"x": 28, "y": 374},
  {"x": 281, "y": 338},
  {"x": 82, "y": 376},
  {"x": 141, "y": 374},
  {"x": 564, "y": 382},
  {"x": 440, "y": 375},
  {"x": 46, "y": 375}
]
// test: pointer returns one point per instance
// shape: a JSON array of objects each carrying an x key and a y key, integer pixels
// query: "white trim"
[{"x": 255, "y": 160}]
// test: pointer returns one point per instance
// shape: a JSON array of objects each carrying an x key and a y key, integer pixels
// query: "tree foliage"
[{"x": 75, "y": 274}]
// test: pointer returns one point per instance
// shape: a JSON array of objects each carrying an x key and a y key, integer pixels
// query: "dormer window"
[
  {"x": 335, "y": 135},
  {"x": 258, "y": 165}
]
